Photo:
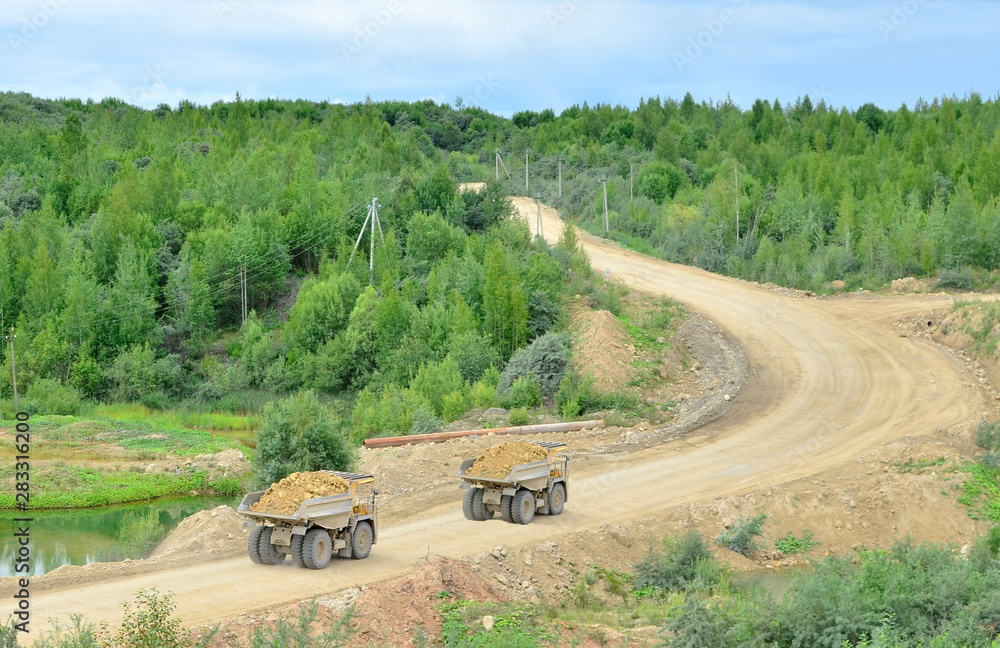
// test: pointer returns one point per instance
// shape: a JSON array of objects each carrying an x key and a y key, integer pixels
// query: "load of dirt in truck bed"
[
  {"x": 285, "y": 497},
  {"x": 497, "y": 461}
]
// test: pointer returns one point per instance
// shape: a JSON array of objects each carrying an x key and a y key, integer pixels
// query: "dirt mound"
[
  {"x": 602, "y": 348},
  {"x": 497, "y": 461},
  {"x": 285, "y": 497},
  {"x": 218, "y": 532}
]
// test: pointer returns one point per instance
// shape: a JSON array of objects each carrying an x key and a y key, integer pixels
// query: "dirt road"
[{"x": 829, "y": 379}]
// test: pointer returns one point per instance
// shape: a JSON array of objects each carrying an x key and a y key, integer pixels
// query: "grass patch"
[
  {"x": 981, "y": 493},
  {"x": 78, "y": 487},
  {"x": 918, "y": 466},
  {"x": 792, "y": 545}
]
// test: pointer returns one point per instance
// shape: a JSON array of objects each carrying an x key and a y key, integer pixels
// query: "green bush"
[
  {"x": 49, "y": 396},
  {"x": 424, "y": 422},
  {"x": 679, "y": 563},
  {"x": 300, "y": 433},
  {"x": 742, "y": 537},
  {"x": 435, "y": 380},
  {"x": 519, "y": 416},
  {"x": 988, "y": 435},
  {"x": 546, "y": 359},
  {"x": 454, "y": 405},
  {"x": 473, "y": 354},
  {"x": 790, "y": 544},
  {"x": 525, "y": 392}
]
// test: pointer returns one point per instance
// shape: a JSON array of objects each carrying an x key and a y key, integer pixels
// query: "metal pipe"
[{"x": 435, "y": 437}]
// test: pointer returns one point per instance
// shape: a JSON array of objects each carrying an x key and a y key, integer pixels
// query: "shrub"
[
  {"x": 49, "y": 396},
  {"x": 148, "y": 625},
  {"x": 546, "y": 359},
  {"x": 483, "y": 395},
  {"x": 473, "y": 354},
  {"x": 675, "y": 565},
  {"x": 424, "y": 422},
  {"x": 519, "y": 416},
  {"x": 131, "y": 374},
  {"x": 525, "y": 392},
  {"x": 741, "y": 538},
  {"x": 790, "y": 544},
  {"x": 299, "y": 433},
  {"x": 435, "y": 380},
  {"x": 454, "y": 405},
  {"x": 988, "y": 435}
]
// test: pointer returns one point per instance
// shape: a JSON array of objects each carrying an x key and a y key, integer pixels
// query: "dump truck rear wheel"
[
  {"x": 317, "y": 549},
  {"x": 523, "y": 507},
  {"x": 557, "y": 498},
  {"x": 253, "y": 545},
  {"x": 269, "y": 554},
  {"x": 479, "y": 508},
  {"x": 468, "y": 507},
  {"x": 505, "y": 508},
  {"x": 297, "y": 543},
  {"x": 361, "y": 540}
]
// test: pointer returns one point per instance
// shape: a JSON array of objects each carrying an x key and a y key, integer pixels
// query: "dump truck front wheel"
[
  {"x": 557, "y": 498},
  {"x": 297, "y": 544},
  {"x": 479, "y": 508},
  {"x": 523, "y": 507},
  {"x": 253, "y": 545},
  {"x": 317, "y": 549},
  {"x": 269, "y": 554},
  {"x": 506, "y": 514},
  {"x": 468, "y": 506},
  {"x": 361, "y": 540}
]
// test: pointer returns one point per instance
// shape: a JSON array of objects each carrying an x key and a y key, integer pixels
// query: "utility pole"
[
  {"x": 496, "y": 159},
  {"x": 502, "y": 165},
  {"x": 630, "y": 195},
  {"x": 371, "y": 218},
  {"x": 527, "y": 152},
  {"x": 604, "y": 182},
  {"x": 13, "y": 366},
  {"x": 736, "y": 181},
  {"x": 560, "y": 176},
  {"x": 538, "y": 203},
  {"x": 243, "y": 292}
]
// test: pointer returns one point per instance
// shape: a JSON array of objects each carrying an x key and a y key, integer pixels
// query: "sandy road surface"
[{"x": 829, "y": 379}]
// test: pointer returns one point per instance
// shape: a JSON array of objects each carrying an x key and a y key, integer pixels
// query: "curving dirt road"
[{"x": 829, "y": 379}]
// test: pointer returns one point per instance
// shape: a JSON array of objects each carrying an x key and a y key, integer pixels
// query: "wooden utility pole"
[
  {"x": 538, "y": 203},
  {"x": 526, "y": 154},
  {"x": 736, "y": 181},
  {"x": 496, "y": 159},
  {"x": 13, "y": 366},
  {"x": 604, "y": 182}
]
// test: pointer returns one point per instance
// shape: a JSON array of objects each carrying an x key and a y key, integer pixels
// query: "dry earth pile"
[
  {"x": 497, "y": 461},
  {"x": 285, "y": 497}
]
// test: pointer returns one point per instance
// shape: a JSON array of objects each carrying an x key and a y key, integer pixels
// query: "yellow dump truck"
[
  {"x": 345, "y": 524},
  {"x": 539, "y": 486}
]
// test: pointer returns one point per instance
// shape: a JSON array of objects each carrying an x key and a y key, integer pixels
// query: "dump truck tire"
[
  {"x": 479, "y": 508},
  {"x": 523, "y": 507},
  {"x": 467, "y": 504},
  {"x": 269, "y": 554},
  {"x": 505, "y": 511},
  {"x": 317, "y": 549},
  {"x": 297, "y": 543},
  {"x": 361, "y": 540},
  {"x": 557, "y": 498},
  {"x": 253, "y": 545}
]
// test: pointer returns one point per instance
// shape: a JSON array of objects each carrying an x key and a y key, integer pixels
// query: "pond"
[{"x": 78, "y": 536}]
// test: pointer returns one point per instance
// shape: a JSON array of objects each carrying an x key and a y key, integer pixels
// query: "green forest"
[
  {"x": 127, "y": 235},
  {"x": 201, "y": 257}
]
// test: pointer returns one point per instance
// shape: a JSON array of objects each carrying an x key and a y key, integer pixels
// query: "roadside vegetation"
[{"x": 908, "y": 596}]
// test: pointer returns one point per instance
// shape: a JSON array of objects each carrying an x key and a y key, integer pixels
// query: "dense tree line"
[
  {"x": 126, "y": 237},
  {"x": 799, "y": 194}
]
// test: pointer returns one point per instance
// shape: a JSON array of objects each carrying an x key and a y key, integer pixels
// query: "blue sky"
[{"x": 504, "y": 55}]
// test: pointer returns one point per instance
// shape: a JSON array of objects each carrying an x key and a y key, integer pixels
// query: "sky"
[{"x": 501, "y": 55}]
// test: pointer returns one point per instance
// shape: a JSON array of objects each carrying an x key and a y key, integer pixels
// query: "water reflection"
[{"x": 78, "y": 536}]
